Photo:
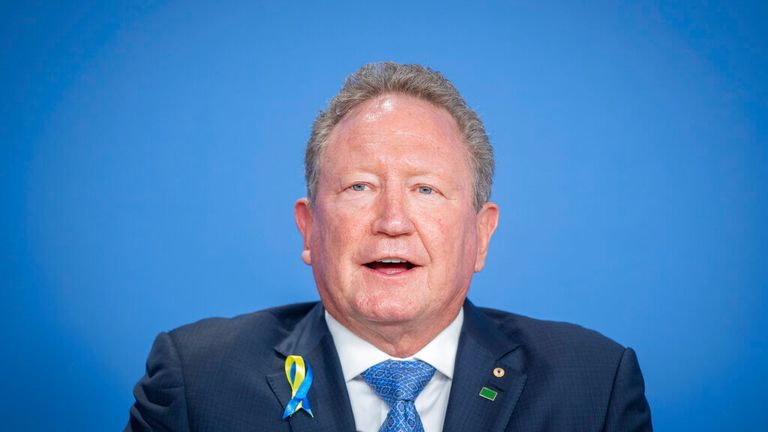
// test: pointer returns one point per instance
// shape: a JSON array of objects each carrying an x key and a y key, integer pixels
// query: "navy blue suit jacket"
[{"x": 228, "y": 375}]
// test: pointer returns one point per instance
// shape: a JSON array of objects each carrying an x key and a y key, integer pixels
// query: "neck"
[{"x": 400, "y": 339}]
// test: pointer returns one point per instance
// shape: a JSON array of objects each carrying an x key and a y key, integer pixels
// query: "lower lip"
[{"x": 397, "y": 275}]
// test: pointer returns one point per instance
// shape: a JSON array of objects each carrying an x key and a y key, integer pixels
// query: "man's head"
[{"x": 393, "y": 229}]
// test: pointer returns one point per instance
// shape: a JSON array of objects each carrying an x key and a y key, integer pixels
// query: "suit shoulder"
[
  {"x": 285, "y": 316},
  {"x": 259, "y": 331},
  {"x": 554, "y": 336}
]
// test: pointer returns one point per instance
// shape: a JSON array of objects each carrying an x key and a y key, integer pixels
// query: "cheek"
[
  {"x": 451, "y": 240},
  {"x": 338, "y": 238},
  {"x": 443, "y": 227}
]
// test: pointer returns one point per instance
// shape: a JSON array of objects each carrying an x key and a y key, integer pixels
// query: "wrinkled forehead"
[
  {"x": 401, "y": 111},
  {"x": 393, "y": 115}
]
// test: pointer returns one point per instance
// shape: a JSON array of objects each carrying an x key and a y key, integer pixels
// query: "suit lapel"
[
  {"x": 482, "y": 349},
  {"x": 328, "y": 392}
]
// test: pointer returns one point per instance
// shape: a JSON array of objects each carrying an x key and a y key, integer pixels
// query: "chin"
[{"x": 390, "y": 310}]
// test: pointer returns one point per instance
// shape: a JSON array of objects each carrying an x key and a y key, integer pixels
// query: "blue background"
[{"x": 152, "y": 152}]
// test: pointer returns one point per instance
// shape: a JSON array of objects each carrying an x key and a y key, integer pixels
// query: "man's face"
[{"x": 392, "y": 236}]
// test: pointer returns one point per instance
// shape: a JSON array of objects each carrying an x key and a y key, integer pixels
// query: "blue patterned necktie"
[{"x": 398, "y": 383}]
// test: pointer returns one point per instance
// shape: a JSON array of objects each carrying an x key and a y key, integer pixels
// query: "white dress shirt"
[{"x": 357, "y": 355}]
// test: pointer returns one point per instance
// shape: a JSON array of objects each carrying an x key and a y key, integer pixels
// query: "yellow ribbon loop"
[{"x": 295, "y": 381}]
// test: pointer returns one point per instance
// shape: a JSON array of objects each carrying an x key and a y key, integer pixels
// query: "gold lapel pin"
[{"x": 498, "y": 372}]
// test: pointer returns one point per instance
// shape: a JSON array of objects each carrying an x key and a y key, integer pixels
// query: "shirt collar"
[{"x": 356, "y": 354}]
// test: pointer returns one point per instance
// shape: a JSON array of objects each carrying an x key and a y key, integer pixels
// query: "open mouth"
[{"x": 390, "y": 266}]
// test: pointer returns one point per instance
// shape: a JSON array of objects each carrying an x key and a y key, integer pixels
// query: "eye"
[
  {"x": 358, "y": 187},
  {"x": 425, "y": 190}
]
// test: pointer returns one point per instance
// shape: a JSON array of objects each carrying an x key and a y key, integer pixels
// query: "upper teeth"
[{"x": 391, "y": 261}]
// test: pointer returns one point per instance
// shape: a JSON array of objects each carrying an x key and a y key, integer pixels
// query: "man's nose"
[{"x": 393, "y": 218}]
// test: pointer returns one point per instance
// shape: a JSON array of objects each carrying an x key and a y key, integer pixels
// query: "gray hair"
[{"x": 375, "y": 79}]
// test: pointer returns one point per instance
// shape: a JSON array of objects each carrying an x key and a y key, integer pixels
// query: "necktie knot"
[{"x": 397, "y": 380}]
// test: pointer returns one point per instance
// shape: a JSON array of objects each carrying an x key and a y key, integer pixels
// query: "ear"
[
  {"x": 302, "y": 213},
  {"x": 487, "y": 220}
]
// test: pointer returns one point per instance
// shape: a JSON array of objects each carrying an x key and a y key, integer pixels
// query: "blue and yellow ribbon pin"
[{"x": 299, "y": 374}]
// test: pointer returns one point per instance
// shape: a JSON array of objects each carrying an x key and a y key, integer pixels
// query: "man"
[{"x": 395, "y": 224}]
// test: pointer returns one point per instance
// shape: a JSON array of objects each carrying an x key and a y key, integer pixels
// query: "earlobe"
[
  {"x": 487, "y": 220},
  {"x": 302, "y": 214},
  {"x": 306, "y": 257}
]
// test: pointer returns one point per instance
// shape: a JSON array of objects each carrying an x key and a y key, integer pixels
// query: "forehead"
[{"x": 398, "y": 122}]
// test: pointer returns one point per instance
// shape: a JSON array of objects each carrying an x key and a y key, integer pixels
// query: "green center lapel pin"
[{"x": 488, "y": 393}]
